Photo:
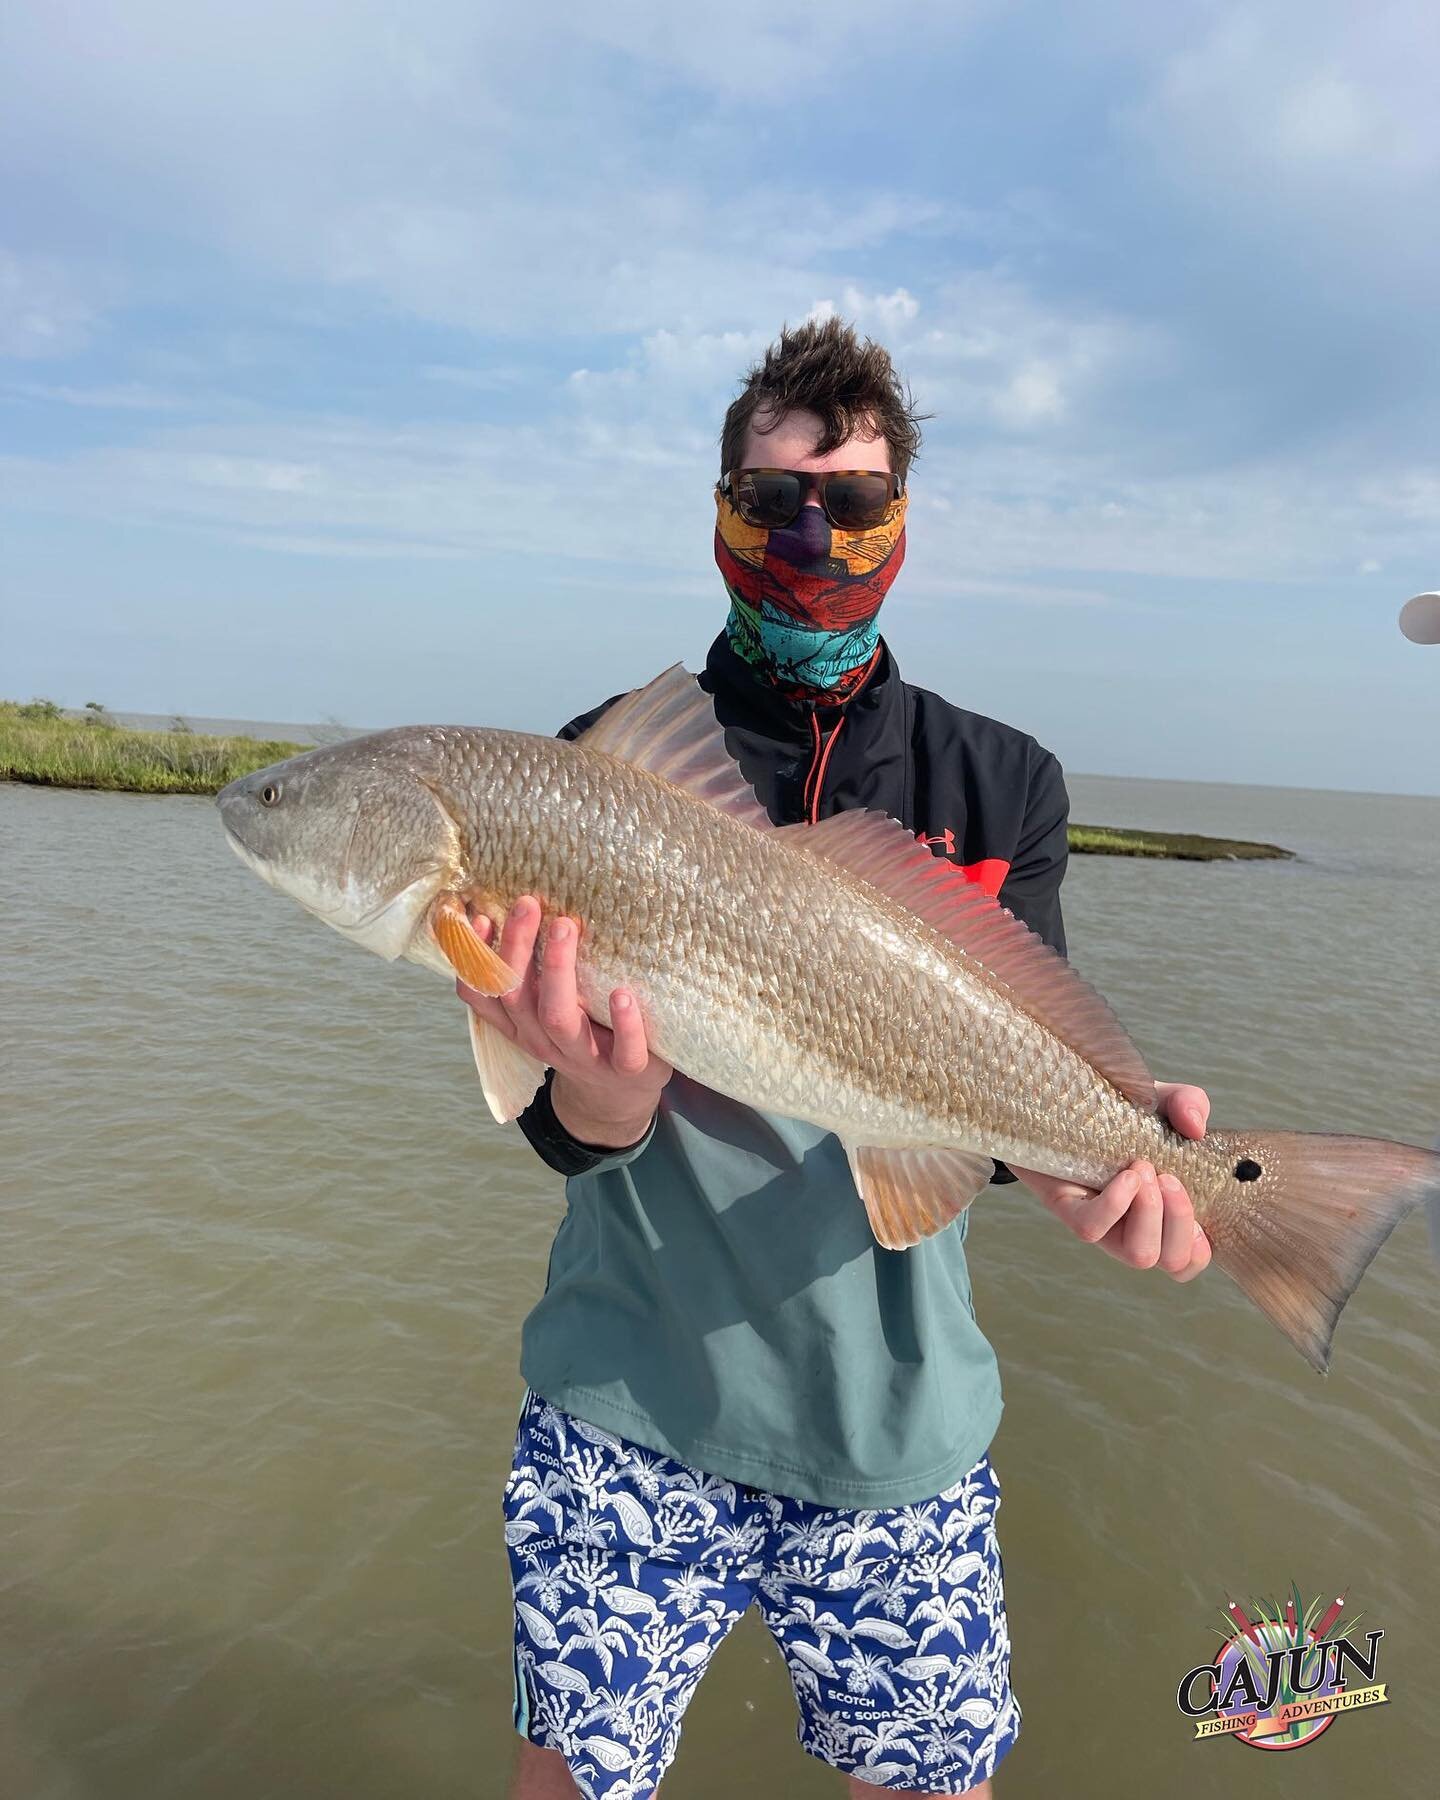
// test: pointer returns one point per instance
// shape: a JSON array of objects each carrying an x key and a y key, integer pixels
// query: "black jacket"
[{"x": 980, "y": 793}]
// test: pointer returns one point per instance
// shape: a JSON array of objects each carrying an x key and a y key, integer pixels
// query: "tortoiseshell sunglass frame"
[{"x": 734, "y": 483}]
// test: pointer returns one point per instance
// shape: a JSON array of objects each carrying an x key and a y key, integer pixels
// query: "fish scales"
[{"x": 768, "y": 973}]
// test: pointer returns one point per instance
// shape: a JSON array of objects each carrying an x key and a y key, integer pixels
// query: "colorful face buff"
[{"x": 804, "y": 598}]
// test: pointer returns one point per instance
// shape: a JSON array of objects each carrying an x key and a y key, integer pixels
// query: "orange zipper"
[{"x": 818, "y": 764}]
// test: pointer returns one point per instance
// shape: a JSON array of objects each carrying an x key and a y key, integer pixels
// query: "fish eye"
[
  {"x": 1246, "y": 1170},
  {"x": 270, "y": 794}
]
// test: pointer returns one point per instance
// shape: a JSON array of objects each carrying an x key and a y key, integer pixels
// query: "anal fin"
[
  {"x": 912, "y": 1194},
  {"x": 509, "y": 1076}
]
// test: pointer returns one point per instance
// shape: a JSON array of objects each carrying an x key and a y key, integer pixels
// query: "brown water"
[{"x": 263, "y": 1262}]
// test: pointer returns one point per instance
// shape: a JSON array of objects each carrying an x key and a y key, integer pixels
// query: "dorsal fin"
[
  {"x": 882, "y": 852},
  {"x": 669, "y": 727}
]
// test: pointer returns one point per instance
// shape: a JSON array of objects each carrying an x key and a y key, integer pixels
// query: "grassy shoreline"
[
  {"x": 49, "y": 748},
  {"x": 44, "y": 746},
  {"x": 1176, "y": 846}
]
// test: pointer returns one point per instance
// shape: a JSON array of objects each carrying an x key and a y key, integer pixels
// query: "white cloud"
[
  {"x": 1002, "y": 518},
  {"x": 450, "y": 159},
  {"x": 1313, "y": 103},
  {"x": 455, "y": 166},
  {"x": 620, "y": 252},
  {"x": 1324, "y": 118},
  {"x": 987, "y": 354},
  {"x": 1032, "y": 396},
  {"x": 119, "y": 396},
  {"x": 882, "y": 315},
  {"x": 1409, "y": 494},
  {"x": 344, "y": 487},
  {"x": 1023, "y": 509},
  {"x": 986, "y": 357},
  {"x": 492, "y": 379},
  {"x": 756, "y": 51},
  {"x": 43, "y": 312}
]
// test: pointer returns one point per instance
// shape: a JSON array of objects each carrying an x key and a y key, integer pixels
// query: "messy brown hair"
[{"x": 823, "y": 367}]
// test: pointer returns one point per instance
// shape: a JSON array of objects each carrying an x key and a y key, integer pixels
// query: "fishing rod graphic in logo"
[{"x": 1279, "y": 1681}]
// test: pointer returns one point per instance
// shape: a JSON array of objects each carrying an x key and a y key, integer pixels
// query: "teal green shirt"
[{"x": 715, "y": 1294}]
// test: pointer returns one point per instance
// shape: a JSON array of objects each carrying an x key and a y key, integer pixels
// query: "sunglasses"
[{"x": 853, "y": 499}]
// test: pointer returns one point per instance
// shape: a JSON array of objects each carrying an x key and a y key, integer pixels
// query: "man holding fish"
[
  {"x": 733, "y": 958},
  {"x": 736, "y": 1394}
]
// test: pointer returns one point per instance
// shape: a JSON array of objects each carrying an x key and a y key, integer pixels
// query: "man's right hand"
[{"x": 607, "y": 1084}]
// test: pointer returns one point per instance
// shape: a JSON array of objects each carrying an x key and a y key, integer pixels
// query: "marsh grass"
[
  {"x": 42, "y": 744},
  {"x": 1178, "y": 846}
]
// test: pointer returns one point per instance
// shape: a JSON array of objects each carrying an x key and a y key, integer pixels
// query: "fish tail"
[{"x": 1308, "y": 1214}]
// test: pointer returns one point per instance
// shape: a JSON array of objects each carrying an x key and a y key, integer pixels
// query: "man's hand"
[
  {"x": 607, "y": 1084},
  {"x": 1139, "y": 1218}
]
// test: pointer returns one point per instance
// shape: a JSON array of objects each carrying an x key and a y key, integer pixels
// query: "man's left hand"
[{"x": 1141, "y": 1217}]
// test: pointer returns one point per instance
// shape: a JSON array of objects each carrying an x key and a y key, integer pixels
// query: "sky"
[{"x": 366, "y": 362}]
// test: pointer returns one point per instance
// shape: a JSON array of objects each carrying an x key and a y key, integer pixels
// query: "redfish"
[{"x": 838, "y": 973}]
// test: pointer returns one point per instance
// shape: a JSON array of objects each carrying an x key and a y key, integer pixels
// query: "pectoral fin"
[
  {"x": 473, "y": 961},
  {"x": 912, "y": 1194},
  {"x": 509, "y": 1075}
]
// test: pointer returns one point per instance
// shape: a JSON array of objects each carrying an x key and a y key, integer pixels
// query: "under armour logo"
[
  {"x": 945, "y": 838},
  {"x": 988, "y": 874}
]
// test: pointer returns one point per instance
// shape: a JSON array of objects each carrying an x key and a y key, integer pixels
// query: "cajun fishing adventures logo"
[{"x": 1279, "y": 1680}]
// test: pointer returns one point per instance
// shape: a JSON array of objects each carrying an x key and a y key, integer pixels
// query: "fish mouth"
[
  {"x": 255, "y": 863},
  {"x": 389, "y": 927}
]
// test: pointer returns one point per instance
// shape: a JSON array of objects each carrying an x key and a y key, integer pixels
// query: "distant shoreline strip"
[{"x": 48, "y": 747}]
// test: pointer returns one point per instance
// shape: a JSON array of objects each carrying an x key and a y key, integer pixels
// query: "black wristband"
[{"x": 553, "y": 1143}]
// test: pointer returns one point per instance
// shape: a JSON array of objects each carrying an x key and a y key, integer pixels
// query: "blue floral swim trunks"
[{"x": 630, "y": 1568}]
